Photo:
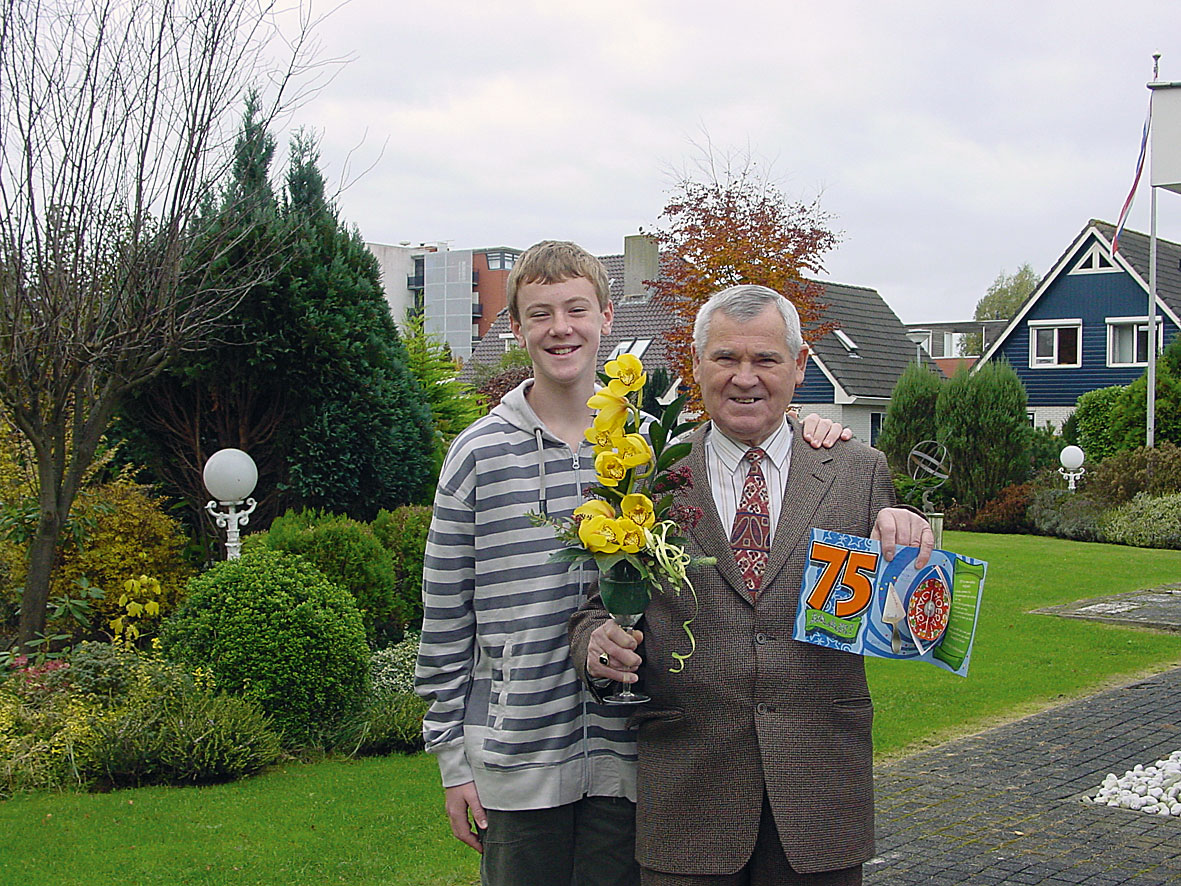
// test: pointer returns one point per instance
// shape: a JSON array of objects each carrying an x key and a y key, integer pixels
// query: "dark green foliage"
[
  {"x": 1045, "y": 448},
  {"x": 1070, "y": 430},
  {"x": 1123, "y": 476},
  {"x": 1093, "y": 417},
  {"x": 192, "y": 737},
  {"x": 982, "y": 421},
  {"x": 1066, "y": 514},
  {"x": 350, "y": 554},
  {"x": 1145, "y": 522},
  {"x": 911, "y": 417},
  {"x": 309, "y": 375},
  {"x": 1006, "y": 512},
  {"x": 1128, "y": 417},
  {"x": 403, "y": 532},
  {"x": 454, "y": 405},
  {"x": 272, "y": 627}
]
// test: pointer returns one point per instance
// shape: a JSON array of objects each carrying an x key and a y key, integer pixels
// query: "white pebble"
[{"x": 1154, "y": 789}]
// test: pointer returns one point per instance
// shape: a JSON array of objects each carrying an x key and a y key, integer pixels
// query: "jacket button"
[
  {"x": 760, "y": 638},
  {"x": 762, "y": 708}
]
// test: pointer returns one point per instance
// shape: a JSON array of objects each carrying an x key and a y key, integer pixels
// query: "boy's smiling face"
[{"x": 560, "y": 327}]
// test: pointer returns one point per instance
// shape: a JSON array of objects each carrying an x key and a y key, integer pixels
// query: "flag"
[{"x": 1123, "y": 215}]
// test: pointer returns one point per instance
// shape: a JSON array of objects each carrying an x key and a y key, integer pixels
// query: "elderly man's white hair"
[{"x": 744, "y": 302}]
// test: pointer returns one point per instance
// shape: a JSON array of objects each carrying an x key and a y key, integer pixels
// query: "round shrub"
[
  {"x": 350, "y": 554},
  {"x": 272, "y": 627}
]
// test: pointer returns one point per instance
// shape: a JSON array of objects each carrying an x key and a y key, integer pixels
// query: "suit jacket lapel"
[{"x": 809, "y": 478}]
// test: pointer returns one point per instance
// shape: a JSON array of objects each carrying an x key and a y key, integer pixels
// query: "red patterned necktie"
[{"x": 751, "y": 536}]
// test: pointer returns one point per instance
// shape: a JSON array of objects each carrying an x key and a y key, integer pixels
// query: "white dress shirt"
[{"x": 725, "y": 459}]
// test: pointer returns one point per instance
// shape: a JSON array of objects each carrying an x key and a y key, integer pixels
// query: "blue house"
[{"x": 1086, "y": 324}]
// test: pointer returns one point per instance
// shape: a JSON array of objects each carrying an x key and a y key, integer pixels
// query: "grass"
[
  {"x": 380, "y": 821},
  {"x": 1022, "y": 662},
  {"x": 373, "y": 821}
]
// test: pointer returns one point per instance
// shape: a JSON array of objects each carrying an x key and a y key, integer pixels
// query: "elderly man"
[{"x": 755, "y": 761}]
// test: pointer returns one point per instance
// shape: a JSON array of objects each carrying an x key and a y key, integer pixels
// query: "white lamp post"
[
  {"x": 1072, "y": 465},
  {"x": 230, "y": 476}
]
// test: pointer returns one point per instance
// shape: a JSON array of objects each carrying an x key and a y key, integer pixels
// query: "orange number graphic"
[{"x": 853, "y": 570}]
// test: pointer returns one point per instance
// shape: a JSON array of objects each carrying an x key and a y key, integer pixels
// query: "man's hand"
[
  {"x": 618, "y": 645},
  {"x": 898, "y": 527},
  {"x": 824, "y": 432},
  {"x": 459, "y": 801}
]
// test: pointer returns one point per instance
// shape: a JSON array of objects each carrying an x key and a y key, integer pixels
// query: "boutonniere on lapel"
[{"x": 630, "y": 526}]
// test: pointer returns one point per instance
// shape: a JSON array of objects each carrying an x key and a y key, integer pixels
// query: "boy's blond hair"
[{"x": 552, "y": 261}]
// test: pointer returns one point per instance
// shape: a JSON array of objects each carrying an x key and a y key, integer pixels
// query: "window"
[
  {"x": 1095, "y": 260},
  {"x": 843, "y": 338},
  {"x": 875, "y": 426},
  {"x": 1055, "y": 344},
  {"x": 630, "y": 346},
  {"x": 1127, "y": 340},
  {"x": 500, "y": 260}
]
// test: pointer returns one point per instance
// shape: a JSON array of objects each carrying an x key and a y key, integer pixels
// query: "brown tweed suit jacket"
[{"x": 754, "y": 710}]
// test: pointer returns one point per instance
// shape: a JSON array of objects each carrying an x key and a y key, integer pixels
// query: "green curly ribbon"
[{"x": 674, "y": 563}]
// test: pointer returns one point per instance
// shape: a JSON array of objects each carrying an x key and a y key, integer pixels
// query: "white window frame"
[
  {"x": 1138, "y": 323},
  {"x": 1096, "y": 260},
  {"x": 1038, "y": 325}
]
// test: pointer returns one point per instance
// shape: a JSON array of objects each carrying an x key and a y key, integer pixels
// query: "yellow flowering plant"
[{"x": 630, "y": 525}]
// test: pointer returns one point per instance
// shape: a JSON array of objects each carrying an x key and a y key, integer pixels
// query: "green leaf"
[{"x": 672, "y": 455}]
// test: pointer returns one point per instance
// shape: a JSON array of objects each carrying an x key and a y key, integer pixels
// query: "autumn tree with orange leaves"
[{"x": 736, "y": 228}]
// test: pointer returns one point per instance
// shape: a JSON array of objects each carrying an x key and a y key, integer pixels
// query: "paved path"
[{"x": 1004, "y": 806}]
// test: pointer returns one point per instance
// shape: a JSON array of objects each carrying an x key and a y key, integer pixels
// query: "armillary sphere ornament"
[{"x": 930, "y": 466}]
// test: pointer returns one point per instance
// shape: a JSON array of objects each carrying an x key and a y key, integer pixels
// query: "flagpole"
[
  {"x": 1150, "y": 401},
  {"x": 1150, "y": 404}
]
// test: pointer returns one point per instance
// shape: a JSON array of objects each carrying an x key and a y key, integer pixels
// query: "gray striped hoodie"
[{"x": 507, "y": 709}]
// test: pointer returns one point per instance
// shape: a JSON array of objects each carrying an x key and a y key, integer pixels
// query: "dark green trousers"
[{"x": 591, "y": 842}]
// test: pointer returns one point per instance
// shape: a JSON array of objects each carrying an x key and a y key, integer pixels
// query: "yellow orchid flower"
[
  {"x": 638, "y": 508},
  {"x": 634, "y": 450},
  {"x": 609, "y": 468},
  {"x": 596, "y": 507},
  {"x": 602, "y": 438},
  {"x": 627, "y": 373},
  {"x": 631, "y": 536},
  {"x": 598, "y": 535},
  {"x": 612, "y": 409}
]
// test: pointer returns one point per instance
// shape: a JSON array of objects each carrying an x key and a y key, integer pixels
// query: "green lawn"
[
  {"x": 1021, "y": 661},
  {"x": 380, "y": 821}
]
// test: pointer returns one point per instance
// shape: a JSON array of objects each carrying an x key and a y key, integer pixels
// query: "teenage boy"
[{"x": 545, "y": 773}]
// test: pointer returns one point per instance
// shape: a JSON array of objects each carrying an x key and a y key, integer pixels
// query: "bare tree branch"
[{"x": 117, "y": 121}]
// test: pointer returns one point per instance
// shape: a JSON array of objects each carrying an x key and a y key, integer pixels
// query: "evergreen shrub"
[
  {"x": 1145, "y": 522},
  {"x": 403, "y": 532},
  {"x": 1066, "y": 514},
  {"x": 1093, "y": 420},
  {"x": 911, "y": 416},
  {"x": 352, "y": 555},
  {"x": 1121, "y": 477},
  {"x": 272, "y": 627}
]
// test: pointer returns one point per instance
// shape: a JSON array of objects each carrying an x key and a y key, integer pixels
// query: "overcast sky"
[{"x": 950, "y": 140}]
